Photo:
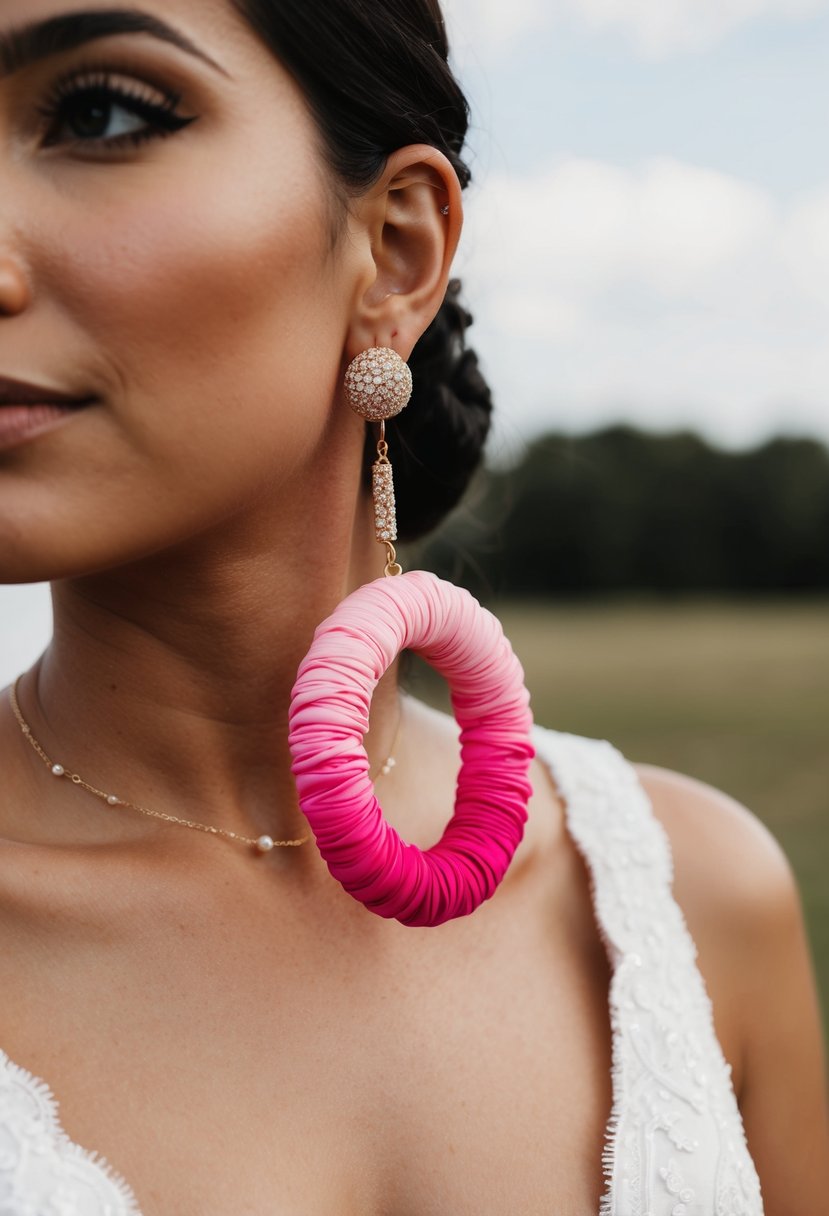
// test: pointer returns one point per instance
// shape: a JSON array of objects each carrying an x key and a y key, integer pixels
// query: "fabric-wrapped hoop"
[{"x": 329, "y": 716}]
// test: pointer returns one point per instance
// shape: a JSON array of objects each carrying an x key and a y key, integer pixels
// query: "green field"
[{"x": 736, "y": 694}]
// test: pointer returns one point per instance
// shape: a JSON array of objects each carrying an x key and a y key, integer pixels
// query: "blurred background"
[{"x": 647, "y": 258}]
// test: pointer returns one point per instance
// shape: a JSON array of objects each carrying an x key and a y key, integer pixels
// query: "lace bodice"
[{"x": 674, "y": 1142}]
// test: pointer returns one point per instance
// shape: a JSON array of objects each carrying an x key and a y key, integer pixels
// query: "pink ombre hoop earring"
[{"x": 331, "y": 698}]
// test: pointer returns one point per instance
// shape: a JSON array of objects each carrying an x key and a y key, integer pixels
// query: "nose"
[{"x": 15, "y": 293}]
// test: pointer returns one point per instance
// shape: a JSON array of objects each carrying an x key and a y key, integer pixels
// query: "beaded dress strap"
[{"x": 675, "y": 1143}]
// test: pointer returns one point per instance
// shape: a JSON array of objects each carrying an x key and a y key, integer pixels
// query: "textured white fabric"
[
  {"x": 42, "y": 1172},
  {"x": 674, "y": 1143}
]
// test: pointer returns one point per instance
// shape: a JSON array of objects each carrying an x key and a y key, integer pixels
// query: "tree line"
[{"x": 621, "y": 509}]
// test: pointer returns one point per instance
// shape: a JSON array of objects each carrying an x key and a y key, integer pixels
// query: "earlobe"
[{"x": 413, "y": 220}]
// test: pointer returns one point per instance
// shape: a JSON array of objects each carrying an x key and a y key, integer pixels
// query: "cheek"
[
  {"x": 212, "y": 309},
  {"x": 213, "y": 328}
]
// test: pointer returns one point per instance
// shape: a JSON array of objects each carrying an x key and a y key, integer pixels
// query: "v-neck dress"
[{"x": 674, "y": 1143}]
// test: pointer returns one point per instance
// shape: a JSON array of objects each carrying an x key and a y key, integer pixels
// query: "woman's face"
[{"x": 180, "y": 273}]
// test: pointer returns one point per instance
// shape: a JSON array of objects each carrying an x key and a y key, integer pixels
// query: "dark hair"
[{"x": 376, "y": 78}]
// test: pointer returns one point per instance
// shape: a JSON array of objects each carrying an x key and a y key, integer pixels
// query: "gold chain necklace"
[{"x": 262, "y": 844}]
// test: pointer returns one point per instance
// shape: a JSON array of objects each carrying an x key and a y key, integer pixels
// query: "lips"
[{"x": 21, "y": 392}]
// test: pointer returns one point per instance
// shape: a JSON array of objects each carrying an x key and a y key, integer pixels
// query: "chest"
[{"x": 276, "y": 1068}]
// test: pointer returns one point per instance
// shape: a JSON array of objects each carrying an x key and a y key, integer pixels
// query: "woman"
[{"x": 209, "y": 210}]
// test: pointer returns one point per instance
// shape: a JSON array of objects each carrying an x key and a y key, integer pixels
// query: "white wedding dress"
[{"x": 675, "y": 1144}]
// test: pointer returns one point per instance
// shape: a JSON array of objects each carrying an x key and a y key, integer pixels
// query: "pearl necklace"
[{"x": 262, "y": 844}]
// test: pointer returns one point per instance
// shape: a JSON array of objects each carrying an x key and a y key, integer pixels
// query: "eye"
[{"x": 96, "y": 111}]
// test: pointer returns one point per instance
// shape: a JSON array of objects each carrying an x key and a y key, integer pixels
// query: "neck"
[{"x": 168, "y": 682}]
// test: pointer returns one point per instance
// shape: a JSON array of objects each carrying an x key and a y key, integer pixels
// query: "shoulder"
[
  {"x": 740, "y": 900},
  {"x": 726, "y": 861},
  {"x": 735, "y": 887}
]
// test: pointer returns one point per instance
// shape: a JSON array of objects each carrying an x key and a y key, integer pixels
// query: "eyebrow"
[{"x": 27, "y": 44}]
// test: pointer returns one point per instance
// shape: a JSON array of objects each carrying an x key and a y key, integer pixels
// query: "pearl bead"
[
  {"x": 113, "y": 800},
  {"x": 264, "y": 844},
  {"x": 58, "y": 770}
]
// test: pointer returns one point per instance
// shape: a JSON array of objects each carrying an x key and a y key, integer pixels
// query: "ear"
[{"x": 408, "y": 245}]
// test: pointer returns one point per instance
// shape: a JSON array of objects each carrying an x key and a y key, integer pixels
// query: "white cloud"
[
  {"x": 666, "y": 293},
  {"x": 588, "y": 224},
  {"x": 498, "y": 24},
  {"x": 491, "y": 27},
  {"x": 806, "y": 247},
  {"x": 25, "y": 627},
  {"x": 659, "y": 27},
  {"x": 656, "y": 28}
]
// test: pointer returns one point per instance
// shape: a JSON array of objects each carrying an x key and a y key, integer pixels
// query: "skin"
[{"x": 256, "y": 1039}]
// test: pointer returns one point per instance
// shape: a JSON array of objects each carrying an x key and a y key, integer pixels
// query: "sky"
[{"x": 647, "y": 233}]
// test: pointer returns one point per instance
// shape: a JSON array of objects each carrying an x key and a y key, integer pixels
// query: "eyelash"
[{"x": 161, "y": 119}]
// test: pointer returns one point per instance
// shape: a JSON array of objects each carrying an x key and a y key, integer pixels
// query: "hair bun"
[{"x": 437, "y": 443}]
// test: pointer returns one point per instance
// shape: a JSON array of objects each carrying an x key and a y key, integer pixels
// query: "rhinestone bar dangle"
[
  {"x": 385, "y": 515},
  {"x": 378, "y": 385}
]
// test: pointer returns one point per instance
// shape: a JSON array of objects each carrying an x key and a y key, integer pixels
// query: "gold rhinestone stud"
[{"x": 378, "y": 384}]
